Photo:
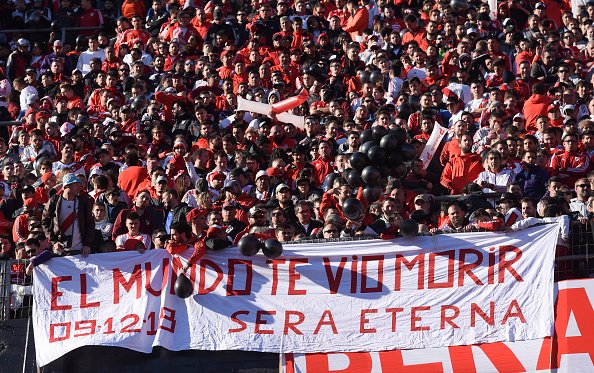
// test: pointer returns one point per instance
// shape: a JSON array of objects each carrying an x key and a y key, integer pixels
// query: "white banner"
[
  {"x": 573, "y": 351},
  {"x": 419, "y": 292},
  {"x": 430, "y": 148}
]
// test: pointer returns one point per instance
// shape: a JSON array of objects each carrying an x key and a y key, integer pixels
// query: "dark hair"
[
  {"x": 133, "y": 216},
  {"x": 181, "y": 227}
]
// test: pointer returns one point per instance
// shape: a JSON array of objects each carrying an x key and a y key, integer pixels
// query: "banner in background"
[
  {"x": 430, "y": 148},
  {"x": 420, "y": 292},
  {"x": 570, "y": 350}
]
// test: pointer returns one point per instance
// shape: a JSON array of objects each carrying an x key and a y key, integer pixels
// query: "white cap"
[
  {"x": 23, "y": 42},
  {"x": 261, "y": 173}
]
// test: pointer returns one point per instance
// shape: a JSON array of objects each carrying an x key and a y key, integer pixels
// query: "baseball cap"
[
  {"x": 540, "y": 5},
  {"x": 553, "y": 107},
  {"x": 23, "y": 42},
  {"x": 471, "y": 30},
  {"x": 280, "y": 187},
  {"x": 518, "y": 116},
  {"x": 161, "y": 179},
  {"x": 256, "y": 209},
  {"x": 261, "y": 173},
  {"x": 70, "y": 179},
  {"x": 196, "y": 213},
  {"x": 423, "y": 197},
  {"x": 273, "y": 172}
]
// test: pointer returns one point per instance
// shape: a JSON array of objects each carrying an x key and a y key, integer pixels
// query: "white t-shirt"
[
  {"x": 122, "y": 238},
  {"x": 66, "y": 209}
]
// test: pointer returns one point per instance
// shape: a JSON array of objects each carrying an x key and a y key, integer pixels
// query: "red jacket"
[
  {"x": 535, "y": 106},
  {"x": 461, "y": 170},
  {"x": 574, "y": 165}
]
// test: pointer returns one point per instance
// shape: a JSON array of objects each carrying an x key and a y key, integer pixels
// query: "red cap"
[
  {"x": 29, "y": 111},
  {"x": 553, "y": 107},
  {"x": 195, "y": 214},
  {"x": 46, "y": 176},
  {"x": 214, "y": 174},
  {"x": 213, "y": 231},
  {"x": 42, "y": 114},
  {"x": 131, "y": 244},
  {"x": 273, "y": 172}
]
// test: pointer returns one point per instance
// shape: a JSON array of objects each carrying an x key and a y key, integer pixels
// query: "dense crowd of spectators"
[{"x": 130, "y": 137}]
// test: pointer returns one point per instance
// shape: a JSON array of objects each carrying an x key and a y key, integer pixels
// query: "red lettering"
[
  {"x": 202, "y": 289},
  {"x": 354, "y": 270},
  {"x": 380, "y": 274},
  {"x": 502, "y": 357},
  {"x": 513, "y": 311},
  {"x": 148, "y": 271},
  {"x": 242, "y": 325},
  {"x": 392, "y": 361},
  {"x": 261, "y": 321},
  {"x": 466, "y": 268},
  {"x": 320, "y": 363},
  {"x": 506, "y": 265},
  {"x": 475, "y": 309},
  {"x": 394, "y": 311},
  {"x": 576, "y": 302},
  {"x": 329, "y": 322},
  {"x": 86, "y": 327},
  {"x": 275, "y": 264},
  {"x": 432, "y": 284},
  {"x": 294, "y": 276},
  {"x": 84, "y": 293},
  {"x": 54, "y": 306},
  {"x": 445, "y": 319},
  {"x": 414, "y": 318},
  {"x": 231, "y": 277},
  {"x": 364, "y": 321},
  {"x": 334, "y": 281},
  {"x": 293, "y": 324},
  {"x": 119, "y": 279},
  {"x": 417, "y": 260},
  {"x": 53, "y": 338}
]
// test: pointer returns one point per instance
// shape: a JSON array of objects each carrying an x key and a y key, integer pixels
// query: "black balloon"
[
  {"x": 371, "y": 175},
  {"x": 272, "y": 248},
  {"x": 459, "y": 6},
  {"x": 372, "y": 193},
  {"x": 329, "y": 179},
  {"x": 400, "y": 133},
  {"x": 409, "y": 228},
  {"x": 399, "y": 171},
  {"x": 352, "y": 208},
  {"x": 394, "y": 160},
  {"x": 183, "y": 286},
  {"x": 216, "y": 244},
  {"x": 354, "y": 179},
  {"x": 365, "y": 147},
  {"x": 366, "y": 135},
  {"x": 408, "y": 151},
  {"x": 390, "y": 142},
  {"x": 364, "y": 77},
  {"x": 376, "y": 77},
  {"x": 378, "y": 133},
  {"x": 56, "y": 26},
  {"x": 358, "y": 161},
  {"x": 377, "y": 155},
  {"x": 248, "y": 245}
]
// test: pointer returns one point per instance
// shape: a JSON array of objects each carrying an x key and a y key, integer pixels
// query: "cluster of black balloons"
[
  {"x": 249, "y": 245},
  {"x": 374, "y": 77},
  {"x": 381, "y": 154}
]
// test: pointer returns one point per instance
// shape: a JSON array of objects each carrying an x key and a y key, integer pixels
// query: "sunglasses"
[{"x": 583, "y": 185}]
